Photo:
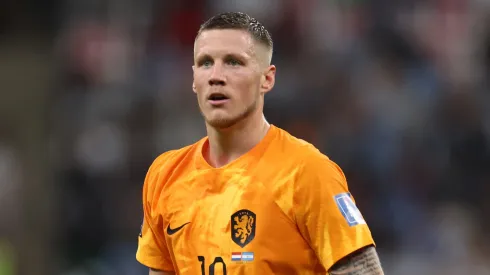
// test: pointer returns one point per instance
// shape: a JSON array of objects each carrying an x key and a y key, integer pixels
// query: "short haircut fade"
[{"x": 239, "y": 21}]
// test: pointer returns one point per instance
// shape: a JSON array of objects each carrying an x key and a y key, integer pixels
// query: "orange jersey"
[{"x": 282, "y": 208}]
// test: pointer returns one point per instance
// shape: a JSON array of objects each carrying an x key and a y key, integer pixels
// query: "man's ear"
[
  {"x": 193, "y": 84},
  {"x": 268, "y": 79}
]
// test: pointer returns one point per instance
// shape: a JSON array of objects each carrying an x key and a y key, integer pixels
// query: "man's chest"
[{"x": 236, "y": 229}]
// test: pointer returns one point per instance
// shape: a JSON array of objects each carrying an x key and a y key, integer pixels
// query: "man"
[{"x": 249, "y": 198}]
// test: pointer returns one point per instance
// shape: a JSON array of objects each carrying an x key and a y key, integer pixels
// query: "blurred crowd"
[{"x": 396, "y": 92}]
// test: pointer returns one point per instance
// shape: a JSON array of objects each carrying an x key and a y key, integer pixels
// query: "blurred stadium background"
[{"x": 396, "y": 92}]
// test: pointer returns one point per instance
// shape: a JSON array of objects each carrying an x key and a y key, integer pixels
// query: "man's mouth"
[{"x": 217, "y": 98}]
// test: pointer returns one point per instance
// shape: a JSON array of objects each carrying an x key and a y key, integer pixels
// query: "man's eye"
[
  {"x": 234, "y": 62},
  {"x": 207, "y": 63}
]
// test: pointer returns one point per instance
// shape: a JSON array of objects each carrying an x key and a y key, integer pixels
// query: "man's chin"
[{"x": 221, "y": 123}]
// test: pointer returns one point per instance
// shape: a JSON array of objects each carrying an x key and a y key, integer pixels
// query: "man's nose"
[{"x": 217, "y": 76}]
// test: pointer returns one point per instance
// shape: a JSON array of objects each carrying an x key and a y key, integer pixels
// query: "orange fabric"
[{"x": 278, "y": 202}]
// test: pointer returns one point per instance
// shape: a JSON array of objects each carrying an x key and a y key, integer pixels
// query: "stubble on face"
[{"x": 226, "y": 121}]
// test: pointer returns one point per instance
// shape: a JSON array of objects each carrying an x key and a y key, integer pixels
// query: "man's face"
[{"x": 229, "y": 78}]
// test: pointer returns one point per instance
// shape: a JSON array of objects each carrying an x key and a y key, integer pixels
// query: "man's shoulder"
[
  {"x": 302, "y": 150},
  {"x": 173, "y": 157},
  {"x": 307, "y": 156},
  {"x": 166, "y": 165}
]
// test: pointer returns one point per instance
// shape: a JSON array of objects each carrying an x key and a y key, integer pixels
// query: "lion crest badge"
[{"x": 243, "y": 227}]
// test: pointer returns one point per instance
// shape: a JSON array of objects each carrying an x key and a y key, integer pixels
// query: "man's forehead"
[{"x": 213, "y": 41}]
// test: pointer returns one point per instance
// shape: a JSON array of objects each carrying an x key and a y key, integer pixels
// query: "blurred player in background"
[{"x": 249, "y": 198}]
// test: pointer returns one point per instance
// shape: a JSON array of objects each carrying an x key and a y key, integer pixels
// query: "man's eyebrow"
[
  {"x": 202, "y": 57},
  {"x": 236, "y": 55},
  {"x": 205, "y": 56}
]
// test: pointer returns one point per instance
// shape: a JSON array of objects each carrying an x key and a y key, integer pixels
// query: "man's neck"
[{"x": 227, "y": 145}]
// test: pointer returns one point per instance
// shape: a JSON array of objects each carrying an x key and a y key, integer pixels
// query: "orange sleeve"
[
  {"x": 326, "y": 213},
  {"x": 152, "y": 250}
]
